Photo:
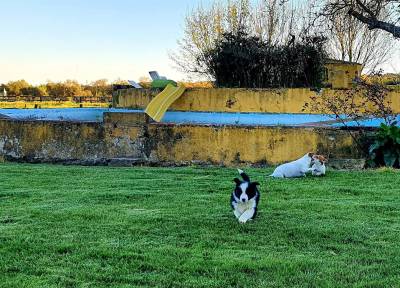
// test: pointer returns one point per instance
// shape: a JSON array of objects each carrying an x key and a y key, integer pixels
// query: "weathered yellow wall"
[
  {"x": 226, "y": 145},
  {"x": 245, "y": 100},
  {"x": 226, "y": 100},
  {"x": 233, "y": 100},
  {"x": 341, "y": 75},
  {"x": 51, "y": 141},
  {"x": 394, "y": 97},
  {"x": 134, "y": 98},
  {"x": 252, "y": 145},
  {"x": 51, "y": 104},
  {"x": 128, "y": 135}
]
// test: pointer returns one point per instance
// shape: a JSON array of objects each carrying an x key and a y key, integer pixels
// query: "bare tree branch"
[
  {"x": 368, "y": 12},
  {"x": 374, "y": 23}
]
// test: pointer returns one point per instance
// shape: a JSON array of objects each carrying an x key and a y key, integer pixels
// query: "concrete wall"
[
  {"x": 51, "y": 141},
  {"x": 226, "y": 100},
  {"x": 125, "y": 135},
  {"x": 232, "y": 100},
  {"x": 244, "y": 145}
]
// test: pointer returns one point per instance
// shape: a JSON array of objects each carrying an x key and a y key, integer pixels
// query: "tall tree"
[
  {"x": 372, "y": 13},
  {"x": 17, "y": 87},
  {"x": 68, "y": 88},
  {"x": 350, "y": 40},
  {"x": 55, "y": 90},
  {"x": 270, "y": 20},
  {"x": 72, "y": 88},
  {"x": 35, "y": 91},
  {"x": 42, "y": 90},
  {"x": 273, "y": 21},
  {"x": 100, "y": 87}
]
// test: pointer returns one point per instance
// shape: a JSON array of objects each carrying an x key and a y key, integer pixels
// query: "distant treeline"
[
  {"x": 72, "y": 88},
  {"x": 68, "y": 88}
]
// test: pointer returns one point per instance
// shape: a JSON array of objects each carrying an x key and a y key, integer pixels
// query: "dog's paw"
[{"x": 242, "y": 221}]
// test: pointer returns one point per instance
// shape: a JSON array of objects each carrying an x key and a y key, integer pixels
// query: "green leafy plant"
[{"x": 385, "y": 150}]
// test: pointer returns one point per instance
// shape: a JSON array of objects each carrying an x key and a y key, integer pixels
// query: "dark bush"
[
  {"x": 240, "y": 60},
  {"x": 385, "y": 151}
]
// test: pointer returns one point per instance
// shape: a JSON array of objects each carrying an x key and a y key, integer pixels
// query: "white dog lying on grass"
[
  {"x": 318, "y": 168},
  {"x": 297, "y": 168}
]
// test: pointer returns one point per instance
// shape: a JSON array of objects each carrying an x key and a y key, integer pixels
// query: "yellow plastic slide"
[{"x": 159, "y": 105}]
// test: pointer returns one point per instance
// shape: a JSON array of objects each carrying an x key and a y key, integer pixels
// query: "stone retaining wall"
[{"x": 132, "y": 138}]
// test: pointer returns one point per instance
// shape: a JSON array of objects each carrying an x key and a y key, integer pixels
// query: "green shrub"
[{"x": 385, "y": 150}]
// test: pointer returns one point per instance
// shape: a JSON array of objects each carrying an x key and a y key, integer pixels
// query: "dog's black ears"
[
  {"x": 237, "y": 181},
  {"x": 245, "y": 177}
]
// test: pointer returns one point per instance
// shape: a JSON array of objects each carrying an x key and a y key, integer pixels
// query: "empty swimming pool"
[{"x": 176, "y": 117}]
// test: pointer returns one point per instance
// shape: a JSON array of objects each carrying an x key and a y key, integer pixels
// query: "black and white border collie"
[{"x": 244, "y": 198}]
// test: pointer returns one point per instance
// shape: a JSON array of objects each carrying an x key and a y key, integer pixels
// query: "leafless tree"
[
  {"x": 350, "y": 40},
  {"x": 372, "y": 13},
  {"x": 271, "y": 20},
  {"x": 281, "y": 21}
]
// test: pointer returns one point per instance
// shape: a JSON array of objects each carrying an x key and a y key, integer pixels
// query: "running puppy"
[
  {"x": 297, "y": 168},
  {"x": 244, "y": 198},
  {"x": 318, "y": 168}
]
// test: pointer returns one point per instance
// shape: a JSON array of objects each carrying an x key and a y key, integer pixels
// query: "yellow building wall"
[{"x": 341, "y": 76}]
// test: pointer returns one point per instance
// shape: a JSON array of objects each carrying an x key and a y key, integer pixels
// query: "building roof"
[{"x": 336, "y": 61}]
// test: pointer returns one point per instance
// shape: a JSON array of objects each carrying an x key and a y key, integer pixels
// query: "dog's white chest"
[
  {"x": 243, "y": 206},
  {"x": 318, "y": 169}
]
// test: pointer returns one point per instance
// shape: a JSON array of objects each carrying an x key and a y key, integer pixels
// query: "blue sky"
[{"x": 90, "y": 39}]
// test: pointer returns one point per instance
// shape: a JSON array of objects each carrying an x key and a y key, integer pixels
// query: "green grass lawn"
[{"x": 67, "y": 226}]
